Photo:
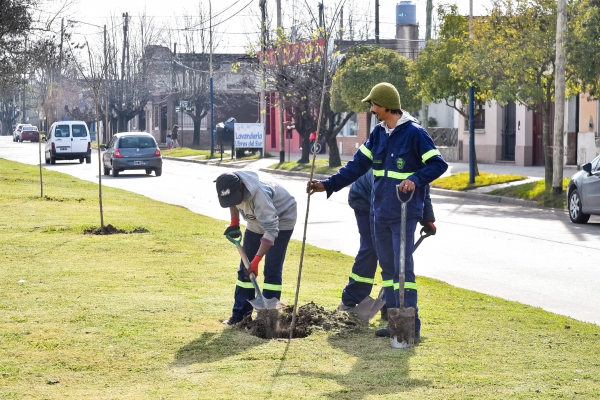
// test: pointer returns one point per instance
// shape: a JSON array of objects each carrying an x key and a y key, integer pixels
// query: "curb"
[{"x": 439, "y": 192}]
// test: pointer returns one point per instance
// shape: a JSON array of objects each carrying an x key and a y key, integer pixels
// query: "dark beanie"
[{"x": 384, "y": 95}]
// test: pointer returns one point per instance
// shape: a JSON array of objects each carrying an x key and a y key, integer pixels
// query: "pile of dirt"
[
  {"x": 273, "y": 324},
  {"x": 111, "y": 230}
]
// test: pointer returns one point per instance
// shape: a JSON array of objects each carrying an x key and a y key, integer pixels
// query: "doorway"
[
  {"x": 163, "y": 124},
  {"x": 509, "y": 132}
]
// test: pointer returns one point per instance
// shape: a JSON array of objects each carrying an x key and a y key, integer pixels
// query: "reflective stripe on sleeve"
[
  {"x": 429, "y": 154},
  {"x": 361, "y": 278},
  {"x": 245, "y": 285},
  {"x": 363, "y": 149},
  {"x": 270, "y": 286}
]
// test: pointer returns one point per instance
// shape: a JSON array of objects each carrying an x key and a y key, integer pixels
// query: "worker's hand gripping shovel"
[
  {"x": 260, "y": 302},
  {"x": 402, "y": 320}
]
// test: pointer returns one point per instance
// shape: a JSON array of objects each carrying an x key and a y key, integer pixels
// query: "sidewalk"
[{"x": 533, "y": 173}]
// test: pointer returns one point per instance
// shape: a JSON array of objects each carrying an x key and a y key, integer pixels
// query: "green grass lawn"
[
  {"x": 321, "y": 166},
  {"x": 460, "y": 181},
  {"x": 137, "y": 316},
  {"x": 537, "y": 192}
]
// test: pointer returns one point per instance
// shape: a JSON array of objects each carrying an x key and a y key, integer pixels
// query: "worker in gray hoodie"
[{"x": 270, "y": 214}]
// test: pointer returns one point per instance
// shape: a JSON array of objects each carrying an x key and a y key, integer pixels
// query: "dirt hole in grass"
[
  {"x": 111, "y": 230},
  {"x": 276, "y": 324},
  {"x": 62, "y": 199}
]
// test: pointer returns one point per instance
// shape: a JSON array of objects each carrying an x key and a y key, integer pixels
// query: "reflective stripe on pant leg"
[
  {"x": 386, "y": 254},
  {"x": 365, "y": 264},
  {"x": 273, "y": 267},
  {"x": 244, "y": 290}
]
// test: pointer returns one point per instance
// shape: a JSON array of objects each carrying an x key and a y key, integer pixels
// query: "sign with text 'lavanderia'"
[{"x": 249, "y": 136}]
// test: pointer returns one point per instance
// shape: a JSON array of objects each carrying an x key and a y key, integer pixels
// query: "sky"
[{"x": 237, "y": 15}]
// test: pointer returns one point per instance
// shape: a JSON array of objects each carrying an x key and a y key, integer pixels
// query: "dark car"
[
  {"x": 29, "y": 133},
  {"x": 583, "y": 193},
  {"x": 130, "y": 151}
]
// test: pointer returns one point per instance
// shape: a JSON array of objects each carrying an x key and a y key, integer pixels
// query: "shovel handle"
[
  {"x": 233, "y": 240},
  {"x": 423, "y": 236},
  {"x": 412, "y": 192}
]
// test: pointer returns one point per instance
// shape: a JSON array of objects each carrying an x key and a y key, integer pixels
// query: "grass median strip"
[
  {"x": 137, "y": 315},
  {"x": 460, "y": 181}
]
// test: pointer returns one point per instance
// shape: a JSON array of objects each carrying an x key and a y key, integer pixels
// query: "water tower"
[{"x": 407, "y": 29}]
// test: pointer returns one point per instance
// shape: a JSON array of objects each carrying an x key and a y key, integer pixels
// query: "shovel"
[
  {"x": 402, "y": 320},
  {"x": 369, "y": 307},
  {"x": 259, "y": 303}
]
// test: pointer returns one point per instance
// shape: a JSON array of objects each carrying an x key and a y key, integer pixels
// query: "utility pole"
[
  {"x": 377, "y": 22},
  {"x": 559, "y": 96},
  {"x": 263, "y": 90},
  {"x": 280, "y": 94},
  {"x": 424, "y": 105},
  {"x": 471, "y": 110},
  {"x": 212, "y": 98}
]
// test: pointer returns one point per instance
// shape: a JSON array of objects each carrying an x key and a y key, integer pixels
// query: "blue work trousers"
[
  {"x": 360, "y": 282},
  {"x": 272, "y": 271},
  {"x": 387, "y": 241}
]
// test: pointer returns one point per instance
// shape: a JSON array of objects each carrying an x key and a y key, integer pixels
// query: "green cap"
[{"x": 384, "y": 95}]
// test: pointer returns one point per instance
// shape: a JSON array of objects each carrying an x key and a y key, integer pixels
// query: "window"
[
  {"x": 79, "y": 131},
  {"x": 155, "y": 116},
  {"x": 351, "y": 126},
  {"x": 61, "y": 131},
  {"x": 478, "y": 120}
]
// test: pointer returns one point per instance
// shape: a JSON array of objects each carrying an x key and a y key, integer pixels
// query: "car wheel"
[
  {"x": 47, "y": 160},
  {"x": 88, "y": 159},
  {"x": 106, "y": 171},
  {"x": 115, "y": 172},
  {"x": 52, "y": 160},
  {"x": 148, "y": 171},
  {"x": 19, "y": 140},
  {"x": 577, "y": 216},
  {"x": 158, "y": 171},
  {"x": 81, "y": 160}
]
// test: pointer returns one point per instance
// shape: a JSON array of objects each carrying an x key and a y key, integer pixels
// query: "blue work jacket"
[{"x": 407, "y": 152}]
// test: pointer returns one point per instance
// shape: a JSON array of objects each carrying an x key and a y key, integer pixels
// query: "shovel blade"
[
  {"x": 368, "y": 308},
  {"x": 402, "y": 327},
  {"x": 260, "y": 303}
]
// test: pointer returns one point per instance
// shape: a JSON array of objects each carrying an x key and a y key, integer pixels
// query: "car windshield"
[
  {"x": 129, "y": 142},
  {"x": 79, "y": 131},
  {"x": 61, "y": 131}
]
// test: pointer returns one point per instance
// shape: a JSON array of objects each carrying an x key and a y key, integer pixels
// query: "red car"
[{"x": 29, "y": 133}]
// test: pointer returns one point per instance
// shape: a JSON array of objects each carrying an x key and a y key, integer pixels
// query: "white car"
[{"x": 68, "y": 140}]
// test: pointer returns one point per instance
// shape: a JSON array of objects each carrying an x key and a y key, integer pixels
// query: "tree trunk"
[
  {"x": 196, "y": 141},
  {"x": 305, "y": 157},
  {"x": 334, "y": 152},
  {"x": 548, "y": 159}
]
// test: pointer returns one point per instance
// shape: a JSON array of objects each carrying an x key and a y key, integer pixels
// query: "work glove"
[
  {"x": 233, "y": 229},
  {"x": 428, "y": 227},
  {"x": 254, "y": 265}
]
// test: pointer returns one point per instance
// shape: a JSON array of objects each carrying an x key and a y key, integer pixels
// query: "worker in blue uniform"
[
  {"x": 362, "y": 276},
  {"x": 404, "y": 159}
]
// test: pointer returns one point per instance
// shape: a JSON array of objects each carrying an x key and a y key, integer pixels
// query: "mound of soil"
[
  {"x": 273, "y": 324},
  {"x": 111, "y": 230}
]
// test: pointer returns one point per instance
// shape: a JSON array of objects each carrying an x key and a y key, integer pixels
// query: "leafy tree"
[
  {"x": 365, "y": 66},
  {"x": 514, "y": 56},
  {"x": 583, "y": 47}
]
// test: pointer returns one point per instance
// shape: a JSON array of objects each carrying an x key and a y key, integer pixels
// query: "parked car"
[
  {"x": 29, "y": 133},
  {"x": 131, "y": 151},
  {"x": 583, "y": 192},
  {"x": 68, "y": 140},
  {"x": 17, "y": 131}
]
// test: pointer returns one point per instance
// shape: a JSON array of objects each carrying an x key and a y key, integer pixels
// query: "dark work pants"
[
  {"x": 272, "y": 271},
  {"x": 387, "y": 240},
  {"x": 365, "y": 264}
]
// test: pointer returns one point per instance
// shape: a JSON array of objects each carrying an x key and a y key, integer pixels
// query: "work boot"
[
  {"x": 382, "y": 332},
  {"x": 232, "y": 321},
  {"x": 343, "y": 307},
  {"x": 384, "y": 313}
]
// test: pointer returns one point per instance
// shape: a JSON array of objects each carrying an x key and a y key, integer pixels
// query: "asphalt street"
[{"x": 532, "y": 255}]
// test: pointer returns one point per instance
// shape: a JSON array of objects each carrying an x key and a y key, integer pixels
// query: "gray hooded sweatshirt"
[{"x": 267, "y": 207}]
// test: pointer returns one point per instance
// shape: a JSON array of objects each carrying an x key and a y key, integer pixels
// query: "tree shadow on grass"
[
  {"x": 214, "y": 346},
  {"x": 378, "y": 369}
]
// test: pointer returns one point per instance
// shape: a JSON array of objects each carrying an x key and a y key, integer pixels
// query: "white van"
[{"x": 68, "y": 140}]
